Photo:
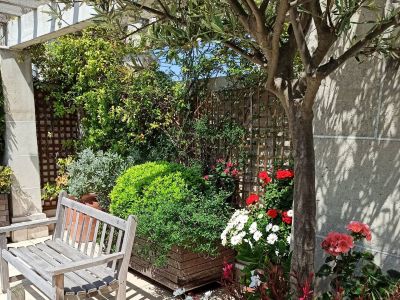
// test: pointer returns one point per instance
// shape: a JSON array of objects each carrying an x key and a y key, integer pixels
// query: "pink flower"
[
  {"x": 284, "y": 174},
  {"x": 227, "y": 271},
  {"x": 337, "y": 243},
  {"x": 359, "y": 228},
  {"x": 229, "y": 164},
  {"x": 235, "y": 172},
  {"x": 206, "y": 177},
  {"x": 226, "y": 171}
]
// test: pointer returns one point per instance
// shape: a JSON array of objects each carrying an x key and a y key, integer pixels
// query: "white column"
[{"x": 21, "y": 150}]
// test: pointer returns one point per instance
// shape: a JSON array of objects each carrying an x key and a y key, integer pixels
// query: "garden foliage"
[
  {"x": 174, "y": 207},
  {"x": 5, "y": 179},
  {"x": 95, "y": 172}
]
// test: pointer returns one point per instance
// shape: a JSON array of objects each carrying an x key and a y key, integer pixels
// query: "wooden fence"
[
  {"x": 53, "y": 135},
  {"x": 267, "y": 139}
]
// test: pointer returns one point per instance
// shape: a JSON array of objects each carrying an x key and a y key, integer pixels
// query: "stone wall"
[{"x": 357, "y": 143}]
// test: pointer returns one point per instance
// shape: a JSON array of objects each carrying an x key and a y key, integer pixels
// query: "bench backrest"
[{"x": 92, "y": 231}]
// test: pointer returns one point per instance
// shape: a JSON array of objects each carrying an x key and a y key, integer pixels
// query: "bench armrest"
[
  {"x": 84, "y": 264},
  {"x": 29, "y": 224}
]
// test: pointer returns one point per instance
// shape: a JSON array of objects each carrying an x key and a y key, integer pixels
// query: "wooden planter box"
[
  {"x": 184, "y": 269},
  {"x": 4, "y": 210}
]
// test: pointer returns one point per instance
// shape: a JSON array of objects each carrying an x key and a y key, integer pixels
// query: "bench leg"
[
  {"x": 5, "y": 280},
  {"x": 59, "y": 287},
  {"x": 121, "y": 292}
]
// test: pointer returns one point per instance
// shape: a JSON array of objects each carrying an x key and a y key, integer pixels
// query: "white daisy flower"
[
  {"x": 257, "y": 235},
  {"x": 275, "y": 228},
  {"x": 268, "y": 227},
  {"x": 253, "y": 227},
  {"x": 290, "y": 213},
  {"x": 272, "y": 238}
]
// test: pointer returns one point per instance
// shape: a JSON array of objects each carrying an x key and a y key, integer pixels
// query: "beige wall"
[{"x": 357, "y": 143}]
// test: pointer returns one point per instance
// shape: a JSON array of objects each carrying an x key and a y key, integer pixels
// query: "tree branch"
[
  {"x": 277, "y": 31},
  {"x": 333, "y": 64},
  {"x": 243, "y": 16},
  {"x": 300, "y": 40},
  {"x": 253, "y": 58}
]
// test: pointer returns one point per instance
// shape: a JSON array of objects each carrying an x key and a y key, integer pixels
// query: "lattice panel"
[
  {"x": 267, "y": 137},
  {"x": 53, "y": 134}
]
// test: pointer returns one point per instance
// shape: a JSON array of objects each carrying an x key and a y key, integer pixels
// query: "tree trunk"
[{"x": 304, "y": 200}]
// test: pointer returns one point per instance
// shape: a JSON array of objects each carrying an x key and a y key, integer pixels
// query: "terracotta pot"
[{"x": 90, "y": 200}]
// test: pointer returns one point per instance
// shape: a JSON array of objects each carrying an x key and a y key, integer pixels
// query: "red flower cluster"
[
  {"x": 337, "y": 243},
  {"x": 359, "y": 228},
  {"x": 253, "y": 198},
  {"x": 286, "y": 218},
  {"x": 263, "y": 175},
  {"x": 227, "y": 271},
  {"x": 273, "y": 213},
  {"x": 284, "y": 174}
]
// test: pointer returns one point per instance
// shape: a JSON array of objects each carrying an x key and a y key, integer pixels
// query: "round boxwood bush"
[
  {"x": 149, "y": 184},
  {"x": 174, "y": 208}
]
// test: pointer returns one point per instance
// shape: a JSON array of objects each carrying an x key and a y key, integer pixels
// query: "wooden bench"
[{"x": 70, "y": 266}]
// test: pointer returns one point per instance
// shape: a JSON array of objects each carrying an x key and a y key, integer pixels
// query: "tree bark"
[{"x": 304, "y": 199}]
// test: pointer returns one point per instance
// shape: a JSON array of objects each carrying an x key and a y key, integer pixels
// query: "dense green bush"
[
  {"x": 173, "y": 205},
  {"x": 95, "y": 172},
  {"x": 5, "y": 179}
]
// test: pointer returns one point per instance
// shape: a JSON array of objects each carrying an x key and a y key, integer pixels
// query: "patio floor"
[{"x": 137, "y": 287}]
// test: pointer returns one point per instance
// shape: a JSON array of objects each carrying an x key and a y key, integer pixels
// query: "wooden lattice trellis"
[
  {"x": 267, "y": 139},
  {"x": 52, "y": 133}
]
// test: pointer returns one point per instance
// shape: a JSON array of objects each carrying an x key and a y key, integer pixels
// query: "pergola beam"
[
  {"x": 38, "y": 26},
  {"x": 10, "y": 9},
  {"x": 24, "y": 3}
]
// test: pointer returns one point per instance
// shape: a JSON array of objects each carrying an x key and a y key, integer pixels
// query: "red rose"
[
  {"x": 361, "y": 229},
  {"x": 337, "y": 243},
  {"x": 286, "y": 218},
  {"x": 253, "y": 198},
  {"x": 284, "y": 174},
  {"x": 263, "y": 175},
  {"x": 273, "y": 213}
]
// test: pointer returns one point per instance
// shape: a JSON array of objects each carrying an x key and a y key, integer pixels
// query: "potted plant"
[
  {"x": 91, "y": 176},
  {"x": 5, "y": 189},
  {"x": 180, "y": 217}
]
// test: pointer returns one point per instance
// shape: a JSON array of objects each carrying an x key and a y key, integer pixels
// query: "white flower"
[
  {"x": 257, "y": 235},
  {"x": 240, "y": 226},
  {"x": 179, "y": 292},
  {"x": 224, "y": 242},
  {"x": 260, "y": 216},
  {"x": 290, "y": 213},
  {"x": 272, "y": 238},
  {"x": 253, "y": 227},
  {"x": 275, "y": 228},
  {"x": 268, "y": 227},
  {"x": 255, "y": 280},
  {"x": 237, "y": 239},
  {"x": 277, "y": 252},
  {"x": 207, "y": 295},
  {"x": 288, "y": 239}
]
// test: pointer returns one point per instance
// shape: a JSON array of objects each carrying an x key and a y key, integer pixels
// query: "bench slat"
[
  {"x": 81, "y": 278},
  {"x": 96, "y": 231},
  {"x": 106, "y": 274},
  {"x": 39, "y": 266},
  {"x": 95, "y": 213},
  {"x": 36, "y": 279}
]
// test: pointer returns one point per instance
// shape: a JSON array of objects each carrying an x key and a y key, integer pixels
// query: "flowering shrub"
[
  {"x": 223, "y": 175},
  {"x": 353, "y": 273},
  {"x": 258, "y": 236},
  {"x": 278, "y": 188}
]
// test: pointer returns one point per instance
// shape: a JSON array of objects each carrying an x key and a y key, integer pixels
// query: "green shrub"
[
  {"x": 95, "y": 172},
  {"x": 5, "y": 179},
  {"x": 173, "y": 206}
]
